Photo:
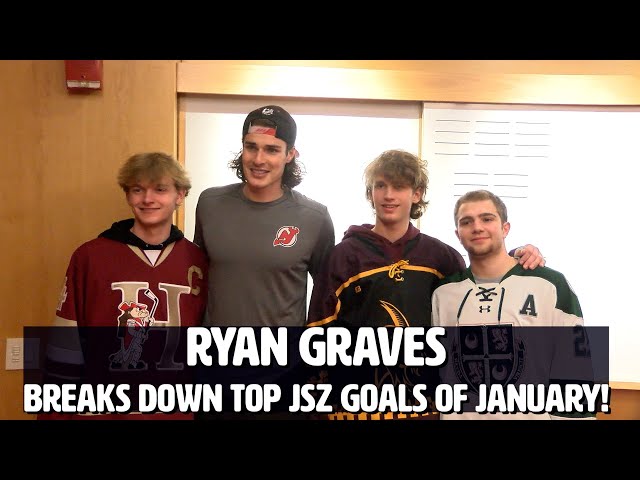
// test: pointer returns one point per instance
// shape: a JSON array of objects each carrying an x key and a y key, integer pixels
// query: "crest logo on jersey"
[
  {"x": 134, "y": 323},
  {"x": 487, "y": 354},
  {"x": 286, "y": 236}
]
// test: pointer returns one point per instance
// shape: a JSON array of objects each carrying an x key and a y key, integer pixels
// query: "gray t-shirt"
[{"x": 260, "y": 255}]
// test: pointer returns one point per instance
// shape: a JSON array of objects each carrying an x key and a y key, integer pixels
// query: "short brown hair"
[
  {"x": 400, "y": 168},
  {"x": 478, "y": 196}
]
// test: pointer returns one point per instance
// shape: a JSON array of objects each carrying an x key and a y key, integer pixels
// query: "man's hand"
[{"x": 529, "y": 257}]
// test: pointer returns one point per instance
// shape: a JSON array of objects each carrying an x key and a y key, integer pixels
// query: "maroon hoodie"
[{"x": 370, "y": 281}]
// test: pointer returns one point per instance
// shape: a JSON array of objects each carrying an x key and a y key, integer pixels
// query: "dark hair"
[{"x": 293, "y": 171}]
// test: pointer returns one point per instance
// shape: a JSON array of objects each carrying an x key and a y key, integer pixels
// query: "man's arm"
[
  {"x": 323, "y": 247},
  {"x": 64, "y": 358},
  {"x": 528, "y": 256},
  {"x": 323, "y": 307},
  {"x": 198, "y": 236}
]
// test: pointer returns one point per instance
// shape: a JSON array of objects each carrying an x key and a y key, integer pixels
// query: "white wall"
[{"x": 568, "y": 179}]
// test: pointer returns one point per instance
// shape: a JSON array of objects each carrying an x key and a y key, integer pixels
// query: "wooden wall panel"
[
  {"x": 625, "y": 405},
  {"x": 538, "y": 67},
  {"x": 523, "y": 82},
  {"x": 61, "y": 153}
]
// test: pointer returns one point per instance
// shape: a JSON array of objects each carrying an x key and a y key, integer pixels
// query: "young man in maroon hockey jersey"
[
  {"x": 383, "y": 275},
  {"x": 139, "y": 275}
]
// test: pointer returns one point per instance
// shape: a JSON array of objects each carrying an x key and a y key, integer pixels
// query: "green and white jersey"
[
  {"x": 486, "y": 346},
  {"x": 526, "y": 298}
]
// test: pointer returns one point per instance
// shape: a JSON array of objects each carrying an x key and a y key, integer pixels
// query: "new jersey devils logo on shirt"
[{"x": 286, "y": 236}]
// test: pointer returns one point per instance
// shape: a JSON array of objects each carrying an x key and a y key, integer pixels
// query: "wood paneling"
[
  {"x": 60, "y": 155},
  {"x": 609, "y": 83},
  {"x": 538, "y": 67},
  {"x": 625, "y": 405}
]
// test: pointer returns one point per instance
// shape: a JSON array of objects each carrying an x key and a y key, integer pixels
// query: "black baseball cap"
[{"x": 285, "y": 127}]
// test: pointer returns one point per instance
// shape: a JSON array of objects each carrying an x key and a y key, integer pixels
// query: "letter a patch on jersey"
[
  {"x": 286, "y": 236},
  {"x": 529, "y": 307}
]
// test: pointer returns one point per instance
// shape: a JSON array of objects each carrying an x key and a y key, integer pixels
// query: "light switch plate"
[{"x": 15, "y": 353}]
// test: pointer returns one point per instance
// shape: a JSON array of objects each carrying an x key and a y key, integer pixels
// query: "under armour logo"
[
  {"x": 486, "y": 293},
  {"x": 488, "y": 307}
]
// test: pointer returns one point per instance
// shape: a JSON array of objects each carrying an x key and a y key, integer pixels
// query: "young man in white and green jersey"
[{"x": 495, "y": 294}]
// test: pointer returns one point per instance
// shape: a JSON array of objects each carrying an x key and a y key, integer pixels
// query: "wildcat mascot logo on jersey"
[
  {"x": 137, "y": 326},
  {"x": 133, "y": 330},
  {"x": 487, "y": 354}
]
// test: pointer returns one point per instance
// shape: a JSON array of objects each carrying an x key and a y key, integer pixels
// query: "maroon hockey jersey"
[
  {"x": 111, "y": 283},
  {"x": 105, "y": 276}
]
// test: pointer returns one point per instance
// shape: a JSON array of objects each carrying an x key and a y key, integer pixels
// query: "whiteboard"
[{"x": 567, "y": 177}]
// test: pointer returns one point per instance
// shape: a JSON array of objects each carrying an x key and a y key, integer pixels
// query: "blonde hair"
[{"x": 152, "y": 166}]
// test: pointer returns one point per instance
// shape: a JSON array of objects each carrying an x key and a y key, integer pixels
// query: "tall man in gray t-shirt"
[{"x": 262, "y": 237}]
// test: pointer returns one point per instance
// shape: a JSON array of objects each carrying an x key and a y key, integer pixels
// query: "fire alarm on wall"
[{"x": 83, "y": 75}]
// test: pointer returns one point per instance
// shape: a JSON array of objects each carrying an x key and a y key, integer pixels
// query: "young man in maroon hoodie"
[
  {"x": 384, "y": 275},
  {"x": 128, "y": 292}
]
